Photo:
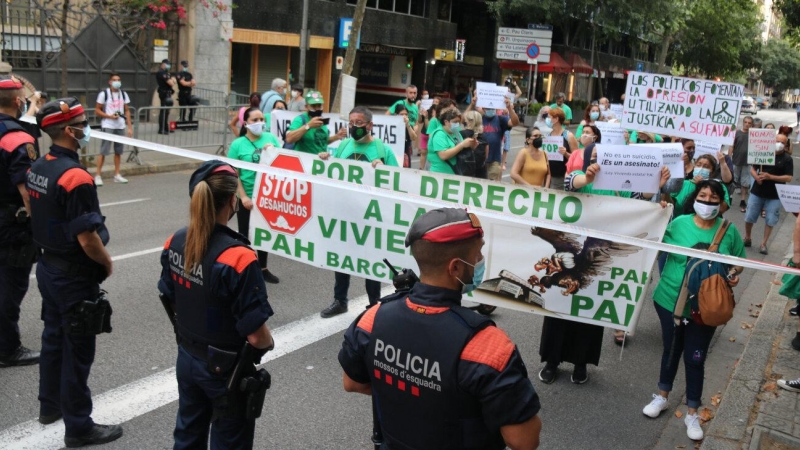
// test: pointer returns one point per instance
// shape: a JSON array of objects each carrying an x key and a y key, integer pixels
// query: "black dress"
[{"x": 573, "y": 342}]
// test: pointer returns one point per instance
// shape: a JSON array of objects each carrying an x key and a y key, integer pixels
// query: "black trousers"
[
  {"x": 185, "y": 99},
  {"x": 163, "y": 114},
  {"x": 243, "y": 220}
]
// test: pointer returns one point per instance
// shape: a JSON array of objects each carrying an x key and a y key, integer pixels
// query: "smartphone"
[{"x": 325, "y": 120}]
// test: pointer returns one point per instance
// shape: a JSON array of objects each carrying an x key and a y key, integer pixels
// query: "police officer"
[
  {"x": 186, "y": 82},
  {"x": 17, "y": 251},
  {"x": 442, "y": 376},
  {"x": 165, "y": 91},
  {"x": 69, "y": 228},
  {"x": 214, "y": 281}
]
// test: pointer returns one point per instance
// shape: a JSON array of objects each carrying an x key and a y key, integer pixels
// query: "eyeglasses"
[{"x": 360, "y": 123}]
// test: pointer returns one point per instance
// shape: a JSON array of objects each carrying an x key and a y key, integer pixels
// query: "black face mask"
[
  {"x": 689, "y": 156},
  {"x": 592, "y": 161},
  {"x": 537, "y": 142},
  {"x": 315, "y": 113},
  {"x": 358, "y": 133}
]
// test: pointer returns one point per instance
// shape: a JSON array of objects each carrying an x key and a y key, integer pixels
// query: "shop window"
[{"x": 412, "y": 7}]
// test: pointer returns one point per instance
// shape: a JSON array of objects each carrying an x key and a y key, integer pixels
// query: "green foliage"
[
  {"x": 791, "y": 14},
  {"x": 534, "y": 108},
  {"x": 780, "y": 65}
]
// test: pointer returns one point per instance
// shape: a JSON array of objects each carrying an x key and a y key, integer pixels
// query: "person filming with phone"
[{"x": 309, "y": 131}]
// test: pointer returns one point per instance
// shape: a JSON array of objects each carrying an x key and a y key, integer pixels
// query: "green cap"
[{"x": 314, "y": 98}]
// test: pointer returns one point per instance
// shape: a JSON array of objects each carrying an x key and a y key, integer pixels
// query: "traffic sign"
[
  {"x": 285, "y": 202},
  {"x": 639, "y": 66},
  {"x": 513, "y": 47},
  {"x": 521, "y": 56},
  {"x": 539, "y": 26},
  {"x": 523, "y": 41},
  {"x": 532, "y": 51},
  {"x": 523, "y": 32}
]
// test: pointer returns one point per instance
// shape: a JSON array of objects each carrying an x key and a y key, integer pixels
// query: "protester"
[
  {"x": 787, "y": 131},
  {"x": 297, "y": 103},
  {"x": 530, "y": 167},
  {"x": 764, "y": 194},
  {"x": 279, "y": 105},
  {"x": 738, "y": 153},
  {"x": 605, "y": 109},
  {"x": 555, "y": 120},
  {"x": 494, "y": 128},
  {"x": 425, "y": 119},
  {"x": 541, "y": 121},
  {"x": 704, "y": 167},
  {"x": 769, "y": 126},
  {"x": 277, "y": 92},
  {"x": 237, "y": 122},
  {"x": 254, "y": 137},
  {"x": 590, "y": 135},
  {"x": 112, "y": 107},
  {"x": 410, "y": 103},
  {"x": 514, "y": 89},
  {"x": 560, "y": 97},
  {"x": 308, "y": 131},
  {"x": 473, "y": 128},
  {"x": 793, "y": 385},
  {"x": 591, "y": 115},
  {"x": 689, "y": 338},
  {"x": 444, "y": 143}
]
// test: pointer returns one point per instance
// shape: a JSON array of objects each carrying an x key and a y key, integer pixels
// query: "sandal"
[
  {"x": 619, "y": 339},
  {"x": 763, "y": 213},
  {"x": 748, "y": 242}
]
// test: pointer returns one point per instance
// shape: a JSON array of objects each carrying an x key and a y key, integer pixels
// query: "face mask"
[
  {"x": 84, "y": 141},
  {"x": 594, "y": 115},
  {"x": 537, "y": 142},
  {"x": 23, "y": 109},
  {"x": 256, "y": 128},
  {"x": 705, "y": 173},
  {"x": 477, "y": 276},
  {"x": 116, "y": 84},
  {"x": 779, "y": 147},
  {"x": 185, "y": 69},
  {"x": 706, "y": 210},
  {"x": 689, "y": 156},
  {"x": 295, "y": 93},
  {"x": 358, "y": 133},
  {"x": 587, "y": 139},
  {"x": 593, "y": 161},
  {"x": 602, "y": 107},
  {"x": 168, "y": 66},
  {"x": 315, "y": 113},
  {"x": 425, "y": 96},
  {"x": 455, "y": 127},
  {"x": 489, "y": 113},
  {"x": 548, "y": 122}
]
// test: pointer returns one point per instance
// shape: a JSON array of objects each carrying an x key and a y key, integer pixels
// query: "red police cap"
[
  {"x": 209, "y": 168},
  {"x": 59, "y": 111},
  {"x": 10, "y": 82},
  {"x": 445, "y": 225}
]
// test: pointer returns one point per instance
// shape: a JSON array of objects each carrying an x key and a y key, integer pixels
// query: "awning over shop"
[
  {"x": 579, "y": 64},
  {"x": 556, "y": 65}
]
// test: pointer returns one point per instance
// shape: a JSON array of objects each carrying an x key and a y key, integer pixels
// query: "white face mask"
[
  {"x": 706, "y": 210},
  {"x": 425, "y": 96},
  {"x": 295, "y": 93},
  {"x": 779, "y": 147},
  {"x": 257, "y": 128}
]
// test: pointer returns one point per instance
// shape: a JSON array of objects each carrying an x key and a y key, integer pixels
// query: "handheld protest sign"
[
  {"x": 624, "y": 168},
  {"x": 761, "y": 146}
]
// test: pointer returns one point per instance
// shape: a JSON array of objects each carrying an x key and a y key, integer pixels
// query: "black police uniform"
[
  {"x": 64, "y": 204},
  {"x": 451, "y": 384},
  {"x": 185, "y": 95},
  {"x": 17, "y": 150},
  {"x": 164, "y": 92},
  {"x": 217, "y": 305}
]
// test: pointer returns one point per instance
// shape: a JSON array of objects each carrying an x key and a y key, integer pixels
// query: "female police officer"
[{"x": 214, "y": 282}]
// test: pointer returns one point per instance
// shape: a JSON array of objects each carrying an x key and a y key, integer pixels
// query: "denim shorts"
[
  {"x": 754, "y": 206},
  {"x": 741, "y": 176}
]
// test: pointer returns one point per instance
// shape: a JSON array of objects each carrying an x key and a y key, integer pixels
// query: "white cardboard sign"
[
  {"x": 625, "y": 168},
  {"x": 790, "y": 197},
  {"x": 761, "y": 146},
  {"x": 491, "y": 96},
  {"x": 550, "y": 145},
  {"x": 612, "y": 133}
]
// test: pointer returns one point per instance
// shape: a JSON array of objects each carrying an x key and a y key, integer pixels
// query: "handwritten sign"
[
  {"x": 684, "y": 107},
  {"x": 614, "y": 110},
  {"x": 611, "y": 133},
  {"x": 491, "y": 96},
  {"x": 706, "y": 148},
  {"x": 550, "y": 145},
  {"x": 624, "y": 168},
  {"x": 671, "y": 154},
  {"x": 761, "y": 146},
  {"x": 426, "y": 104},
  {"x": 790, "y": 197}
]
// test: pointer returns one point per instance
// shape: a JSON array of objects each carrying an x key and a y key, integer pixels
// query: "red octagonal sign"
[{"x": 285, "y": 202}]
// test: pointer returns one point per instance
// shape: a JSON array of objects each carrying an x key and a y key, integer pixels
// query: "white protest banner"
[
  {"x": 616, "y": 109},
  {"x": 491, "y": 96},
  {"x": 761, "y": 146},
  {"x": 671, "y": 154},
  {"x": 683, "y": 107},
  {"x": 550, "y": 145},
  {"x": 625, "y": 168},
  {"x": 426, "y": 104},
  {"x": 390, "y": 129},
  {"x": 790, "y": 197},
  {"x": 611, "y": 133},
  {"x": 352, "y": 228},
  {"x": 706, "y": 148}
]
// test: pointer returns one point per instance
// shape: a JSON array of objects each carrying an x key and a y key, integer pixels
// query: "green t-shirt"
[
  {"x": 567, "y": 110},
  {"x": 244, "y": 150},
  {"x": 686, "y": 191},
  {"x": 433, "y": 125},
  {"x": 413, "y": 111},
  {"x": 314, "y": 141},
  {"x": 440, "y": 141},
  {"x": 589, "y": 188},
  {"x": 683, "y": 232},
  {"x": 350, "y": 147}
]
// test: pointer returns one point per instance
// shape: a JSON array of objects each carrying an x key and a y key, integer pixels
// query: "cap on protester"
[
  {"x": 185, "y": 63},
  {"x": 314, "y": 98},
  {"x": 164, "y": 61},
  {"x": 647, "y": 134},
  {"x": 59, "y": 111},
  {"x": 10, "y": 82},
  {"x": 444, "y": 225},
  {"x": 207, "y": 169}
]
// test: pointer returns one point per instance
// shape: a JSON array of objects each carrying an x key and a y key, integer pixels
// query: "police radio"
[{"x": 403, "y": 280}]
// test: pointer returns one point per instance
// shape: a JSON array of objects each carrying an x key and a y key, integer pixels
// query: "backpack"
[
  {"x": 470, "y": 160},
  {"x": 705, "y": 286},
  {"x": 290, "y": 146},
  {"x": 108, "y": 97}
]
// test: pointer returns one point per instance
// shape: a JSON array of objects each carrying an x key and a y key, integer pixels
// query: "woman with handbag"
[{"x": 690, "y": 337}]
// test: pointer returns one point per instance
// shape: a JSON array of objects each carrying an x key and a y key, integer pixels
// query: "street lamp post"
[{"x": 432, "y": 62}]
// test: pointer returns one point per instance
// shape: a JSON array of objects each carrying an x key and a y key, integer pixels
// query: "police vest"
[
  {"x": 48, "y": 216},
  {"x": 420, "y": 404},
  {"x": 203, "y": 318},
  {"x": 9, "y": 195}
]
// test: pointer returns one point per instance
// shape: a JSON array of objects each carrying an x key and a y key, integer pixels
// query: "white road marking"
[
  {"x": 125, "y": 256},
  {"x": 124, "y": 202},
  {"x": 147, "y": 394}
]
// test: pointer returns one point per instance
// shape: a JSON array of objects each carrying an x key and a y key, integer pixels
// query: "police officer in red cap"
[
  {"x": 442, "y": 375},
  {"x": 70, "y": 230},
  {"x": 17, "y": 251},
  {"x": 212, "y": 287}
]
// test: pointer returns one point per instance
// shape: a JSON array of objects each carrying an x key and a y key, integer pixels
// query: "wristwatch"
[{"x": 307, "y": 127}]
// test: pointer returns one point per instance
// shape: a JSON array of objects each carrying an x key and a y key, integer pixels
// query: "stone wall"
[{"x": 212, "y": 49}]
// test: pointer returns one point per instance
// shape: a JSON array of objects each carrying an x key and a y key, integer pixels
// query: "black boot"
[
  {"x": 100, "y": 434},
  {"x": 19, "y": 357},
  {"x": 336, "y": 308}
]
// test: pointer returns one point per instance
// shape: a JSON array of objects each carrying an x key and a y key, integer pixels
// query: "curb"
[{"x": 146, "y": 169}]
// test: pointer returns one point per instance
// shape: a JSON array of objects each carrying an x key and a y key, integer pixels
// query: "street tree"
[{"x": 780, "y": 65}]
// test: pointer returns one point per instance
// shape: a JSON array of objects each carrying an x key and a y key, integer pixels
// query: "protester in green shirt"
[
  {"x": 252, "y": 139},
  {"x": 361, "y": 146},
  {"x": 691, "y": 339},
  {"x": 410, "y": 103},
  {"x": 308, "y": 132},
  {"x": 560, "y": 97},
  {"x": 280, "y": 105},
  {"x": 704, "y": 166},
  {"x": 445, "y": 143}
]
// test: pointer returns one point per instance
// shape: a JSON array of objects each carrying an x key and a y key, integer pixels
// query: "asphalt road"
[{"x": 132, "y": 378}]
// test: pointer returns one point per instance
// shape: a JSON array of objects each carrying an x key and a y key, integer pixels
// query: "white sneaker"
[
  {"x": 98, "y": 180},
  {"x": 693, "y": 429},
  {"x": 790, "y": 385},
  {"x": 655, "y": 407},
  {"x": 119, "y": 179}
]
